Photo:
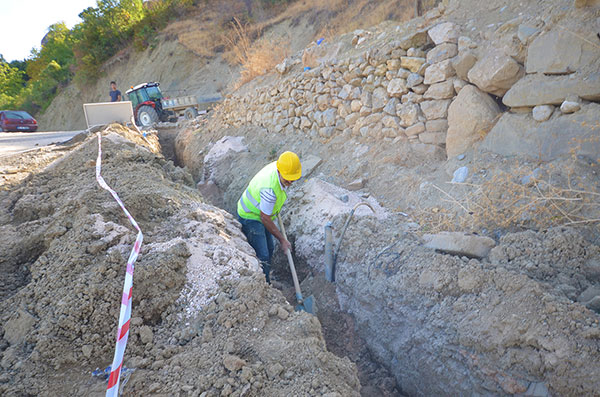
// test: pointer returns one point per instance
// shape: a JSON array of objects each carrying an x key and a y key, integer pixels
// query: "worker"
[
  {"x": 115, "y": 95},
  {"x": 260, "y": 204}
]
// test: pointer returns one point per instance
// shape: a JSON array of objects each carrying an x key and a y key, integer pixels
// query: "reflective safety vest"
[{"x": 249, "y": 204}]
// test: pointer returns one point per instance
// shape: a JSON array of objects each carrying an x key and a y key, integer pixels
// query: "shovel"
[{"x": 308, "y": 304}]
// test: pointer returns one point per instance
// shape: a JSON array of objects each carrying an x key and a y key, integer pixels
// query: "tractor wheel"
[
  {"x": 190, "y": 113},
  {"x": 147, "y": 116}
]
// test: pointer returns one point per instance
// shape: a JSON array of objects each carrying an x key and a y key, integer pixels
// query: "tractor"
[
  {"x": 149, "y": 105},
  {"x": 146, "y": 100}
]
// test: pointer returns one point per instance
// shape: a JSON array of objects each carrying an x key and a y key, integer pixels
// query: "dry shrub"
[
  {"x": 560, "y": 193},
  {"x": 256, "y": 57},
  {"x": 202, "y": 31}
]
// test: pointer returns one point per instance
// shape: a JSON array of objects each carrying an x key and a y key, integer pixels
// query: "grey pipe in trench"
[{"x": 331, "y": 254}]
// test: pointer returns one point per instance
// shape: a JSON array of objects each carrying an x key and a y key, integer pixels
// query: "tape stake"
[{"x": 112, "y": 389}]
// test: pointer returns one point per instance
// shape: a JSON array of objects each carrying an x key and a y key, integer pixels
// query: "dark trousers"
[{"x": 261, "y": 240}]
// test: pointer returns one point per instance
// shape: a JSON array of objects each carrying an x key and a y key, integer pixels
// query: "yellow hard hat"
[{"x": 289, "y": 166}]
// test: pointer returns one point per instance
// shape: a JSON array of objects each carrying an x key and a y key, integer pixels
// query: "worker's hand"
[{"x": 285, "y": 245}]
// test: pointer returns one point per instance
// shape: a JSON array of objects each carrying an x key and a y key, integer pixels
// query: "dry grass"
[
  {"x": 565, "y": 193},
  {"x": 256, "y": 57},
  {"x": 226, "y": 27}
]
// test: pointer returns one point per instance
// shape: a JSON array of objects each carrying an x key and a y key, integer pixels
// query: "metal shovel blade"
[{"x": 308, "y": 305}]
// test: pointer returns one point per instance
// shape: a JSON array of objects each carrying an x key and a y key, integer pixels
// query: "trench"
[{"x": 339, "y": 327}]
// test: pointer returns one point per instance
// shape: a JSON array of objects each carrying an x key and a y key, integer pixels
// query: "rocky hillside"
[{"x": 440, "y": 82}]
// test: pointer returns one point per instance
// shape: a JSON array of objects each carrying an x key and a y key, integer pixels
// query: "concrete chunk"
[{"x": 458, "y": 243}]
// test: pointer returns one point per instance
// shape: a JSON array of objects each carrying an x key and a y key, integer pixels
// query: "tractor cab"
[
  {"x": 143, "y": 93},
  {"x": 147, "y": 106}
]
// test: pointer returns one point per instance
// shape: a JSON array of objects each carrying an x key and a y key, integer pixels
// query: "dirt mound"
[{"x": 203, "y": 318}]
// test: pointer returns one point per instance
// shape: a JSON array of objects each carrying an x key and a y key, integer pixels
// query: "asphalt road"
[{"x": 15, "y": 142}]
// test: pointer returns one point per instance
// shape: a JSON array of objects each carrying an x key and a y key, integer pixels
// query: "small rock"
[
  {"x": 420, "y": 89},
  {"x": 442, "y": 52},
  {"x": 282, "y": 313},
  {"x": 460, "y": 157},
  {"x": 146, "y": 334},
  {"x": 443, "y": 90},
  {"x": 356, "y": 185},
  {"x": 589, "y": 294},
  {"x": 282, "y": 67},
  {"x": 87, "y": 350},
  {"x": 435, "y": 109},
  {"x": 438, "y": 72},
  {"x": 233, "y": 363},
  {"x": 537, "y": 389},
  {"x": 274, "y": 370},
  {"x": 412, "y": 63},
  {"x": 154, "y": 387},
  {"x": 390, "y": 107},
  {"x": 414, "y": 79},
  {"x": 415, "y": 52},
  {"x": 527, "y": 179},
  {"x": 542, "y": 112},
  {"x": 568, "y": 107},
  {"x": 397, "y": 87},
  {"x": 408, "y": 114},
  {"x": 440, "y": 125},
  {"x": 445, "y": 32},
  {"x": 415, "y": 129},
  {"x": 460, "y": 175}
]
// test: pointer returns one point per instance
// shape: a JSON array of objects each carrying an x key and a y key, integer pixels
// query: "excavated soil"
[{"x": 204, "y": 322}]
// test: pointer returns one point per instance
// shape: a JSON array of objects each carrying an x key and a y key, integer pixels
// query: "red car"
[{"x": 17, "y": 120}]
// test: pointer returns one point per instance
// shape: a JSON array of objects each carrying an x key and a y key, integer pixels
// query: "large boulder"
[
  {"x": 495, "y": 73},
  {"x": 558, "y": 52},
  {"x": 521, "y": 135},
  {"x": 470, "y": 116},
  {"x": 538, "y": 89}
]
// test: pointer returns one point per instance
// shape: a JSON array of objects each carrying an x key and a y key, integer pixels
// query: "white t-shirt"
[{"x": 268, "y": 199}]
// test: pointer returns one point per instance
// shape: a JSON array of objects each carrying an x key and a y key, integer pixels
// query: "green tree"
[
  {"x": 11, "y": 83},
  {"x": 57, "y": 47}
]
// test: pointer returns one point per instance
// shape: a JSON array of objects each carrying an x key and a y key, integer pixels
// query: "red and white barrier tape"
[{"x": 125, "y": 314}]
